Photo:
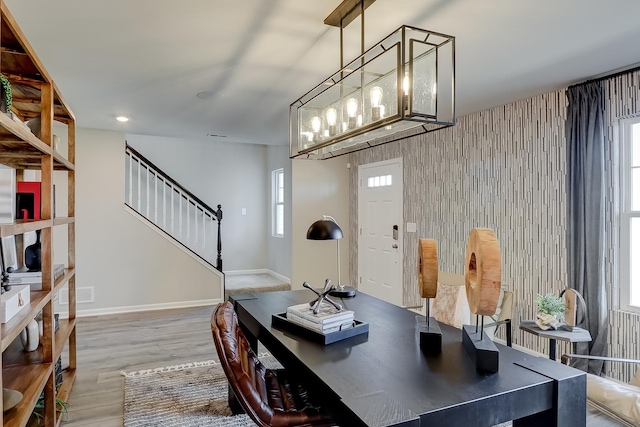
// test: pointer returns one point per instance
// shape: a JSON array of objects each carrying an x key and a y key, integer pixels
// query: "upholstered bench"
[
  {"x": 616, "y": 399},
  {"x": 269, "y": 397}
]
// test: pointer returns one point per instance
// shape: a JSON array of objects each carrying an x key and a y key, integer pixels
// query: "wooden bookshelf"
[{"x": 35, "y": 95}]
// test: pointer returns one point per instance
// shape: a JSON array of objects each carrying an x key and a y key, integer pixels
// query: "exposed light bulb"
[
  {"x": 376, "y": 96},
  {"x": 316, "y": 123},
  {"x": 352, "y": 110},
  {"x": 352, "y": 107},
  {"x": 381, "y": 111},
  {"x": 359, "y": 120},
  {"x": 326, "y": 133},
  {"x": 122, "y": 119},
  {"x": 344, "y": 126},
  {"x": 332, "y": 118},
  {"x": 405, "y": 98},
  {"x": 405, "y": 84}
]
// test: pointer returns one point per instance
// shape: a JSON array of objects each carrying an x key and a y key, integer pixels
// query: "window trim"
[
  {"x": 626, "y": 214},
  {"x": 275, "y": 203}
]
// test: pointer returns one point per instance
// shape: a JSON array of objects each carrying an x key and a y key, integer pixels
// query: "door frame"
[{"x": 361, "y": 261}]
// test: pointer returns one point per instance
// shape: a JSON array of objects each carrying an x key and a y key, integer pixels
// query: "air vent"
[{"x": 83, "y": 295}]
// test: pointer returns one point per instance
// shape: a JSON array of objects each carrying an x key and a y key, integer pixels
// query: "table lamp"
[{"x": 328, "y": 229}]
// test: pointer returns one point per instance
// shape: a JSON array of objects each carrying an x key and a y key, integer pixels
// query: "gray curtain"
[{"x": 585, "y": 212}]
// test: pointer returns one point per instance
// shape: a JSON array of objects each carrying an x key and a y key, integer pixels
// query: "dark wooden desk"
[{"x": 385, "y": 379}]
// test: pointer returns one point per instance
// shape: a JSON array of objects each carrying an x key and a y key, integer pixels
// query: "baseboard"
[
  {"x": 279, "y": 276},
  {"x": 141, "y": 308},
  {"x": 239, "y": 272},
  {"x": 258, "y": 271}
]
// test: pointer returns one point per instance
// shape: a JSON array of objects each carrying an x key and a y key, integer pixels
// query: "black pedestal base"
[
  {"x": 483, "y": 351},
  {"x": 344, "y": 292},
  {"x": 430, "y": 335}
]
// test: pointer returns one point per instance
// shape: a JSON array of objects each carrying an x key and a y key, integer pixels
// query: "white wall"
[
  {"x": 319, "y": 187},
  {"x": 279, "y": 248},
  {"x": 127, "y": 263},
  {"x": 232, "y": 175}
]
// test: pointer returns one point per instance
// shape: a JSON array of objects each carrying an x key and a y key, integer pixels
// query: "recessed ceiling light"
[
  {"x": 122, "y": 119},
  {"x": 205, "y": 95}
]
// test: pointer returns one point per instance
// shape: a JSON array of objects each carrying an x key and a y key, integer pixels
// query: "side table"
[{"x": 577, "y": 335}]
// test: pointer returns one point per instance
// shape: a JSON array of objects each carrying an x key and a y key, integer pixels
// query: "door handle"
[{"x": 394, "y": 246}]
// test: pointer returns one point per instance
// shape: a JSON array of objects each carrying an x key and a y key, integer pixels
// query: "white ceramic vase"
[{"x": 30, "y": 336}]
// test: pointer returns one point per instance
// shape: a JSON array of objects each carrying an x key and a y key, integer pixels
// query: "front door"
[{"x": 380, "y": 230}]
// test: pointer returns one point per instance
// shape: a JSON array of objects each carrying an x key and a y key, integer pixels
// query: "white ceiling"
[{"x": 147, "y": 59}]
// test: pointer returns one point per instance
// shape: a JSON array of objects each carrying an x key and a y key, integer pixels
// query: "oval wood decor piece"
[
  {"x": 483, "y": 271},
  {"x": 428, "y": 268}
]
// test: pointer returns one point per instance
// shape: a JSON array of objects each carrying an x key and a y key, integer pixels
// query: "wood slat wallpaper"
[{"x": 505, "y": 169}]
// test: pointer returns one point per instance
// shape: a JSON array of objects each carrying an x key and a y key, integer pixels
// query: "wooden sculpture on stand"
[
  {"x": 482, "y": 276},
  {"x": 427, "y": 327}
]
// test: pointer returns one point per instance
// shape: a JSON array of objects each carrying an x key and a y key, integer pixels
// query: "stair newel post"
[{"x": 219, "y": 259}]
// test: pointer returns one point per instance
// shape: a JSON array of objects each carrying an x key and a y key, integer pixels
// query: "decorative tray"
[{"x": 280, "y": 321}]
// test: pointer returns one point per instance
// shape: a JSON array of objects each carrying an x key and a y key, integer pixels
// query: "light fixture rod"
[{"x": 346, "y": 12}]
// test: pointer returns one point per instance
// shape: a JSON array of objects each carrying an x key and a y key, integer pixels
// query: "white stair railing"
[{"x": 173, "y": 209}]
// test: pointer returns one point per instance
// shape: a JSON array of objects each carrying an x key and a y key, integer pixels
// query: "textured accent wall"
[{"x": 504, "y": 169}]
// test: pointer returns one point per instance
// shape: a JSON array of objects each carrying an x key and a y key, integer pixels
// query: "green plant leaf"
[{"x": 551, "y": 304}]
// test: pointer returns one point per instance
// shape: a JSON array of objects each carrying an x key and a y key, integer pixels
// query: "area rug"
[{"x": 188, "y": 395}]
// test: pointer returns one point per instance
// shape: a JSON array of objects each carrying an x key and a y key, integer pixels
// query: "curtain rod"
[{"x": 609, "y": 76}]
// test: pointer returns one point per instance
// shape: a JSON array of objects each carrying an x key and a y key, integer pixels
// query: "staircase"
[{"x": 173, "y": 209}]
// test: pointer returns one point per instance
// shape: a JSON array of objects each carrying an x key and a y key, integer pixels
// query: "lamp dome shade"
[{"x": 324, "y": 229}]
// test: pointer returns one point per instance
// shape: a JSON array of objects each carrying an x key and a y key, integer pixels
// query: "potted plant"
[
  {"x": 5, "y": 95},
  {"x": 550, "y": 311}
]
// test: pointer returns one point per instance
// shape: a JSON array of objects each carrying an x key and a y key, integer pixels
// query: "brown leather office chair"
[{"x": 269, "y": 397}]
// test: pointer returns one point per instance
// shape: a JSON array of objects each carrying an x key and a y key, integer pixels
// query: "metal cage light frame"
[{"x": 402, "y": 82}]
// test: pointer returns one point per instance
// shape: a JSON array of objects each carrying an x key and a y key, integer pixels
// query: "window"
[
  {"x": 630, "y": 218},
  {"x": 277, "y": 184},
  {"x": 379, "y": 181}
]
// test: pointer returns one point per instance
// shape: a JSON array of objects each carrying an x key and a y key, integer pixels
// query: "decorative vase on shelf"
[
  {"x": 33, "y": 254},
  {"x": 30, "y": 336}
]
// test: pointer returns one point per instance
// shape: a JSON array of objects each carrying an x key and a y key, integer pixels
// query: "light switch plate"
[{"x": 411, "y": 227}]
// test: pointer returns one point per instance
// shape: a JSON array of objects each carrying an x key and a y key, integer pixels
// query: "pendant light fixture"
[{"x": 406, "y": 80}]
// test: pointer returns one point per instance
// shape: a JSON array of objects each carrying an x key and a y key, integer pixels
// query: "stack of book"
[
  {"x": 23, "y": 276},
  {"x": 326, "y": 321}
]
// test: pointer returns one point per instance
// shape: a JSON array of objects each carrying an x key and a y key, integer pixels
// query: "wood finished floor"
[{"x": 108, "y": 345}]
